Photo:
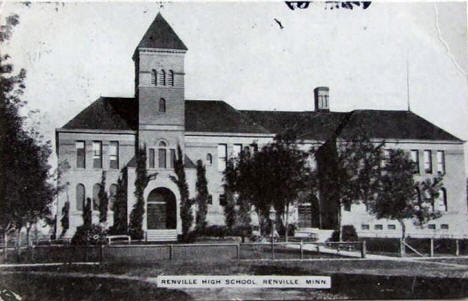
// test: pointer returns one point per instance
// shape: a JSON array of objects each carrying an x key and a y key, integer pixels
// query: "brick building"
[{"x": 105, "y": 135}]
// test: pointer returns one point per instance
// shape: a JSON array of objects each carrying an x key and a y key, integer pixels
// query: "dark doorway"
[{"x": 161, "y": 209}]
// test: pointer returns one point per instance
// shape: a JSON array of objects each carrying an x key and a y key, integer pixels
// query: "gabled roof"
[
  {"x": 161, "y": 35},
  {"x": 218, "y": 116},
  {"x": 308, "y": 125},
  {"x": 107, "y": 113},
  {"x": 393, "y": 125},
  {"x": 379, "y": 124}
]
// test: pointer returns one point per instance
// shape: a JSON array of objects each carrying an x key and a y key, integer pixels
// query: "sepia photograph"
[{"x": 242, "y": 150}]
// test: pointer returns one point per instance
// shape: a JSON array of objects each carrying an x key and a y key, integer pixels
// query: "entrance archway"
[{"x": 161, "y": 209}]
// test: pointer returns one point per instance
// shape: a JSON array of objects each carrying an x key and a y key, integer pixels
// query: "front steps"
[
  {"x": 320, "y": 235},
  {"x": 161, "y": 235}
]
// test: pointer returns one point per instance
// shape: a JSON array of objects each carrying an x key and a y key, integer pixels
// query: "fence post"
[
  {"x": 171, "y": 251},
  {"x": 272, "y": 249},
  {"x": 457, "y": 247},
  {"x": 363, "y": 249},
  {"x": 101, "y": 253},
  {"x": 402, "y": 248},
  {"x": 238, "y": 253},
  {"x": 302, "y": 250},
  {"x": 432, "y": 248}
]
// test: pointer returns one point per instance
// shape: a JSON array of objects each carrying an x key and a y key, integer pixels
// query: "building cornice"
[
  {"x": 96, "y": 131},
  {"x": 221, "y": 134},
  {"x": 162, "y": 50}
]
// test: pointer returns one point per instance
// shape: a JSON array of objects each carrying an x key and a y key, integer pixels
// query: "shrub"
[
  {"x": 222, "y": 231},
  {"x": 349, "y": 234},
  {"x": 93, "y": 235}
]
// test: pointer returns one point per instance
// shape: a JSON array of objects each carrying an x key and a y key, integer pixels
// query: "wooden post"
[
  {"x": 171, "y": 251},
  {"x": 457, "y": 247},
  {"x": 272, "y": 249},
  {"x": 302, "y": 250},
  {"x": 101, "y": 253},
  {"x": 432, "y": 248},
  {"x": 238, "y": 253},
  {"x": 363, "y": 249},
  {"x": 402, "y": 248}
]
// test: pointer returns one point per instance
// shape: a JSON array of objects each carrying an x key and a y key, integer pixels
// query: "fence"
[
  {"x": 424, "y": 246},
  {"x": 221, "y": 252}
]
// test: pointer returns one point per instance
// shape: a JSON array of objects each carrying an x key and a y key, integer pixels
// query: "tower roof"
[{"x": 161, "y": 35}]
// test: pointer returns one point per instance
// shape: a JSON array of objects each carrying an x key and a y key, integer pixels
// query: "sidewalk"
[{"x": 327, "y": 250}]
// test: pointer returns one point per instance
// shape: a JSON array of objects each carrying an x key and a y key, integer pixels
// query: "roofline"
[
  {"x": 220, "y": 134},
  {"x": 412, "y": 141},
  {"x": 95, "y": 131}
]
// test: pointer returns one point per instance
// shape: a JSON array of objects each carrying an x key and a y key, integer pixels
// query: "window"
[
  {"x": 114, "y": 155},
  {"x": 386, "y": 157},
  {"x": 222, "y": 199},
  {"x": 173, "y": 158},
  {"x": 365, "y": 227},
  {"x": 442, "y": 200},
  {"x": 162, "y": 105},
  {"x": 391, "y": 227},
  {"x": 80, "y": 197},
  {"x": 96, "y": 189},
  {"x": 154, "y": 77},
  {"x": 378, "y": 227},
  {"x": 170, "y": 80},
  {"x": 162, "y": 155},
  {"x": 431, "y": 226},
  {"x": 428, "y": 161},
  {"x": 222, "y": 150},
  {"x": 236, "y": 149},
  {"x": 112, "y": 196},
  {"x": 444, "y": 227},
  {"x": 415, "y": 159},
  {"x": 347, "y": 206},
  {"x": 210, "y": 200},
  {"x": 151, "y": 158},
  {"x": 441, "y": 162},
  {"x": 325, "y": 97},
  {"x": 209, "y": 159},
  {"x": 80, "y": 154},
  {"x": 162, "y": 78},
  {"x": 97, "y": 154}
]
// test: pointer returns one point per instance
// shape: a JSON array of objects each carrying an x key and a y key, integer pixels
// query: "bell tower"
[{"x": 159, "y": 85}]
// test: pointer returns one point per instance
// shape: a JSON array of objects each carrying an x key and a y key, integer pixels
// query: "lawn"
[
  {"x": 35, "y": 287},
  {"x": 362, "y": 279}
]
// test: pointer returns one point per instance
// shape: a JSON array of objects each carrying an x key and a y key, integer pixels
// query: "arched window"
[
  {"x": 96, "y": 189},
  {"x": 162, "y": 105},
  {"x": 442, "y": 200},
  {"x": 170, "y": 80},
  {"x": 209, "y": 159},
  {"x": 154, "y": 77},
  {"x": 162, "y": 78},
  {"x": 112, "y": 196},
  {"x": 80, "y": 197},
  {"x": 162, "y": 154}
]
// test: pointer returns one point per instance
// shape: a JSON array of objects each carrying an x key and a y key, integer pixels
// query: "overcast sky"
[{"x": 76, "y": 52}]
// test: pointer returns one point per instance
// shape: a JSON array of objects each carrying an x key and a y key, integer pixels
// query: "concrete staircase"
[
  {"x": 316, "y": 234},
  {"x": 161, "y": 235}
]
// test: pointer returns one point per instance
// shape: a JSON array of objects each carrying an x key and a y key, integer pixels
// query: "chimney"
[{"x": 321, "y": 99}]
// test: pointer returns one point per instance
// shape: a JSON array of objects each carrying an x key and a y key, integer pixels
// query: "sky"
[{"x": 76, "y": 52}]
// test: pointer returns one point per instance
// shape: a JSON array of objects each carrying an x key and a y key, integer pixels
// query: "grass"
[
  {"x": 39, "y": 287},
  {"x": 376, "y": 279}
]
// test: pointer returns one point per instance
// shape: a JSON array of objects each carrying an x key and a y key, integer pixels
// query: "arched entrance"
[{"x": 161, "y": 209}]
